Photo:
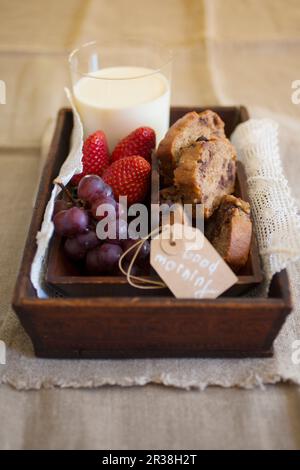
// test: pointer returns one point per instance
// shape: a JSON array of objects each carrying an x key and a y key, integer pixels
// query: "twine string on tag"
[{"x": 139, "y": 281}]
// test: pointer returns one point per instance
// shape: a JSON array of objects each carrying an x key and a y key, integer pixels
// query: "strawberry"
[
  {"x": 95, "y": 157},
  {"x": 129, "y": 176},
  {"x": 139, "y": 142}
]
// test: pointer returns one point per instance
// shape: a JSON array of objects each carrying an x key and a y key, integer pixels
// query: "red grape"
[
  {"x": 108, "y": 257},
  {"x": 135, "y": 270},
  {"x": 91, "y": 261},
  {"x": 88, "y": 240},
  {"x": 120, "y": 230},
  {"x": 92, "y": 187},
  {"x": 144, "y": 252},
  {"x": 77, "y": 246},
  {"x": 70, "y": 222},
  {"x": 73, "y": 249},
  {"x": 104, "y": 259},
  {"x": 111, "y": 212},
  {"x": 60, "y": 205}
]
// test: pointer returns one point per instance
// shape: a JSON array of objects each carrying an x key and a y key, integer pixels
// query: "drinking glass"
[{"x": 121, "y": 85}]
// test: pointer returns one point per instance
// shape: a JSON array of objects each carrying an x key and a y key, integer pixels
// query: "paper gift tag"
[{"x": 188, "y": 264}]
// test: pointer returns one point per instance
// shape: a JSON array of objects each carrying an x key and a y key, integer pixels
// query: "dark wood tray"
[
  {"x": 134, "y": 326},
  {"x": 68, "y": 279}
]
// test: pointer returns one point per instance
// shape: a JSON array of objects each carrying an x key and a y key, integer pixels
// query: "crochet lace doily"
[{"x": 274, "y": 211}]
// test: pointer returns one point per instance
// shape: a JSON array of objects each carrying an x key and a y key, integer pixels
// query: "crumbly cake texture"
[
  {"x": 169, "y": 195},
  {"x": 205, "y": 173},
  {"x": 230, "y": 231},
  {"x": 192, "y": 127}
]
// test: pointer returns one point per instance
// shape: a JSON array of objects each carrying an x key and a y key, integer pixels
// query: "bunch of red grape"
[{"x": 76, "y": 222}]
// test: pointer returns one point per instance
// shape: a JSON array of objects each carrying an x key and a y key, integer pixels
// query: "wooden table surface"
[{"x": 35, "y": 37}]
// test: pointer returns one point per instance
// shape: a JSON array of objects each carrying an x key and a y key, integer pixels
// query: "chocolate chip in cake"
[
  {"x": 230, "y": 171},
  {"x": 202, "y": 138},
  {"x": 204, "y": 120},
  {"x": 222, "y": 182}
]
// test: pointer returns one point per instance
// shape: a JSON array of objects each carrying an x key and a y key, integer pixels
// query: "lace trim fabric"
[{"x": 274, "y": 211}]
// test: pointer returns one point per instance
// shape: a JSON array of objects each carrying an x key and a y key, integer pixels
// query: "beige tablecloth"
[{"x": 250, "y": 56}]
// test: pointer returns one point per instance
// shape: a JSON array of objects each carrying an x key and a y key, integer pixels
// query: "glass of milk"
[{"x": 121, "y": 85}]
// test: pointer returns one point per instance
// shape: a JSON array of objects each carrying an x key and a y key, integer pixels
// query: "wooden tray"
[
  {"x": 68, "y": 279},
  {"x": 137, "y": 326}
]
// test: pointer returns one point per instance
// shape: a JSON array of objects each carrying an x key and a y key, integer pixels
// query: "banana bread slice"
[
  {"x": 230, "y": 231},
  {"x": 206, "y": 172},
  {"x": 192, "y": 127}
]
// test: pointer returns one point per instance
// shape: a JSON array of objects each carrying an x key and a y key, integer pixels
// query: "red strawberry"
[
  {"x": 95, "y": 158},
  {"x": 129, "y": 176},
  {"x": 139, "y": 142}
]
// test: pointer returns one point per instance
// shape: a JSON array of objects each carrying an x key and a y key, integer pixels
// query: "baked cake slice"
[
  {"x": 192, "y": 127},
  {"x": 205, "y": 173},
  {"x": 230, "y": 231}
]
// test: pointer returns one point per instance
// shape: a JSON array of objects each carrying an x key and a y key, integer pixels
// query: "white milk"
[{"x": 119, "y": 104}]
